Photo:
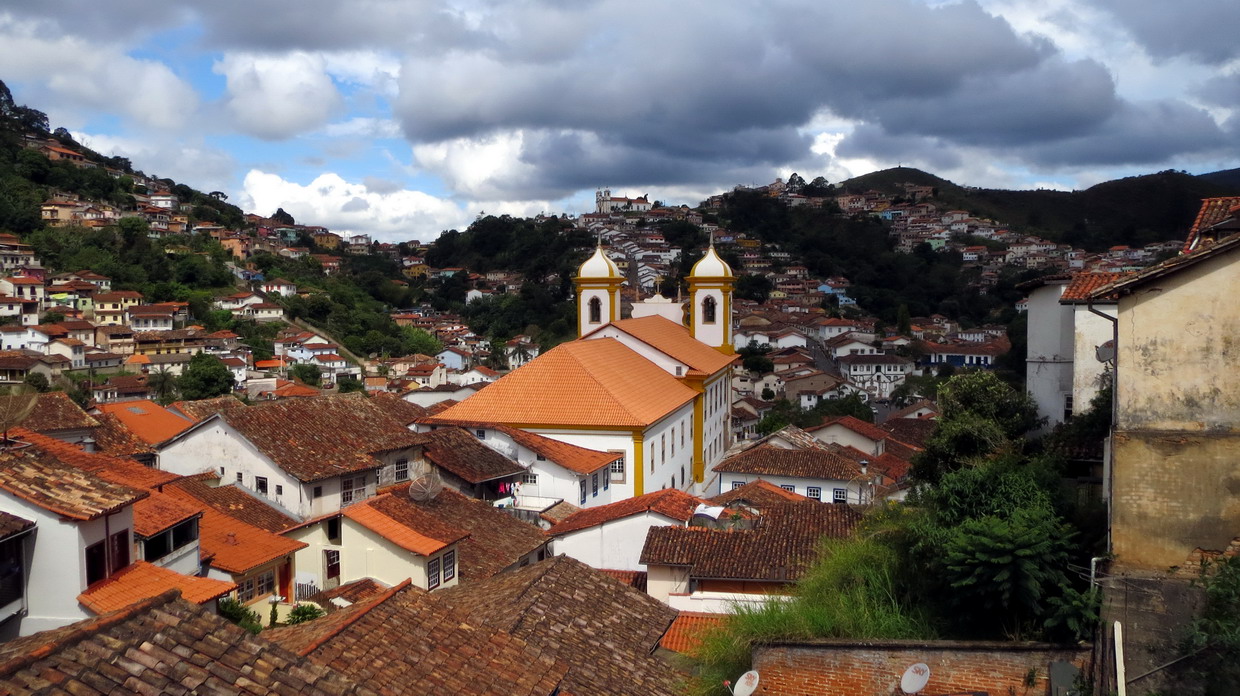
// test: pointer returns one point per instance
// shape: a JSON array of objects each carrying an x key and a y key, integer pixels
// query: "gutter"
[{"x": 1109, "y": 463}]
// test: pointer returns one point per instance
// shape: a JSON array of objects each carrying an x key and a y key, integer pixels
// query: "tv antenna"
[{"x": 915, "y": 678}]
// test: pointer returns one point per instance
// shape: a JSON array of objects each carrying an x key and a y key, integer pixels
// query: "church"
[{"x": 654, "y": 388}]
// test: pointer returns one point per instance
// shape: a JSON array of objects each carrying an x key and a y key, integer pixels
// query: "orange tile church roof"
[{"x": 594, "y": 383}]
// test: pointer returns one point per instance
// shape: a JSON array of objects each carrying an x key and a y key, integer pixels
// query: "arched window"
[
  {"x": 708, "y": 310},
  {"x": 596, "y": 310}
]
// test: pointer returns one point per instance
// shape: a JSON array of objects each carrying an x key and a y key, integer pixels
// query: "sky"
[{"x": 402, "y": 119}]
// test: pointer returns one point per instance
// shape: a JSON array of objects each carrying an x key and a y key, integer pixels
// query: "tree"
[
  {"x": 37, "y": 381},
  {"x": 307, "y": 374},
  {"x": 415, "y": 340},
  {"x": 16, "y": 405},
  {"x": 282, "y": 217},
  {"x": 904, "y": 323},
  {"x": 206, "y": 377},
  {"x": 163, "y": 383},
  {"x": 754, "y": 287},
  {"x": 347, "y": 384},
  {"x": 795, "y": 183}
]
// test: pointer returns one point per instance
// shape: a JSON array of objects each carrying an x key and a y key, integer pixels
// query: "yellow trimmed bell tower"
[
  {"x": 598, "y": 284},
  {"x": 710, "y": 302}
]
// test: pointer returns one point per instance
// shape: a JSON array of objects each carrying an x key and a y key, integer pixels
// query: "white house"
[
  {"x": 278, "y": 286},
  {"x": 877, "y": 374},
  {"x": 611, "y": 536}
]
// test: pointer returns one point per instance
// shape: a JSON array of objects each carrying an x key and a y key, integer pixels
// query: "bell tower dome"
[
  {"x": 710, "y": 301},
  {"x": 598, "y": 284}
]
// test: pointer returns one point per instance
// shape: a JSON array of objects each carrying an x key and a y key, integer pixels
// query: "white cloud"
[
  {"x": 350, "y": 207},
  {"x": 186, "y": 161},
  {"x": 479, "y": 167},
  {"x": 77, "y": 78},
  {"x": 372, "y": 69},
  {"x": 277, "y": 97}
]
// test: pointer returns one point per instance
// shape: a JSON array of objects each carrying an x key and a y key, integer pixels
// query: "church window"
[
  {"x": 708, "y": 310},
  {"x": 596, "y": 310}
]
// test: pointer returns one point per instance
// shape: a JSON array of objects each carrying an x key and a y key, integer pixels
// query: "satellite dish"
[
  {"x": 747, "y": 683},
  {"x": 915, "y": 678},
  {"x": 1105, "y": 352}
]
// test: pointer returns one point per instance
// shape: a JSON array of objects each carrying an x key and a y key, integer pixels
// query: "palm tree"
[{"x": 163, "y": 383}]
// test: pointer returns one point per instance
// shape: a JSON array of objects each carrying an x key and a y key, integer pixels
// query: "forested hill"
[{"x": 1133, "y": 211}]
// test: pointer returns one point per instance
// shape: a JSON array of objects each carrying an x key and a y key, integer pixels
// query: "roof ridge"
[
  {"x": 86, "y": 629},
  {"x": 383, "y": 597}
]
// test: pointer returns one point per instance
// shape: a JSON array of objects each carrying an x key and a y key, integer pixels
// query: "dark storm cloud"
[
  {"x": 874, "y": 142},
  {"x": 1202, "y": 29}
]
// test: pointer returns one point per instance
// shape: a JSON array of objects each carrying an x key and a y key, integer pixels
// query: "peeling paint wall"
[
  {"x": 1179, "y": 347},
  {"x": 1177, "y": 436}
]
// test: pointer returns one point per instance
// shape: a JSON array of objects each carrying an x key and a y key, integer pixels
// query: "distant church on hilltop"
[
  {"x": 605, "y": 203},
  {"x": 655, "y": 388}
]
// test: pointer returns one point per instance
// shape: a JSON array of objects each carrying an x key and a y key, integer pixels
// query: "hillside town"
[{"x": 505, "y": 517}]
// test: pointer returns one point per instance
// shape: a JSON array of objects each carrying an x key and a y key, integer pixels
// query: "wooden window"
[
  {"x": 432, "y": 574},
  {"x": 449, "y": 565},
  {"x": 813, "y": 493},
  {"x": 260, "y": 484},
  {"x": 119, "y": 544},
  {"x": 594, "y": 485},
  {"x": 617, "y": 470},
  {"x": 839, "y": 495},
  {"x": 402, "y": 469}
]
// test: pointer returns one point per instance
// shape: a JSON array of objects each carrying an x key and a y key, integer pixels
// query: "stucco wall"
[
  {"x": 1179, "y": 345},
  {"x": 1174, "y": 492},
  {"x": 1050, "y": 351},
  {"x": 1090, "y": 331},
  {"x": 616, "y": 545}
]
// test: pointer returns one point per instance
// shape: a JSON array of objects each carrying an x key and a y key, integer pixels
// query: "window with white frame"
[
  {"x": 839, "y": 495},
  {"x": 594, "y": 485},
  {"x": 738, "y": 484},
  {"x": 529, "y": 478},
  {"x": 402, "y": 469},
  {"x": 617, "y": 470},
  {"x": 789, "y": 487},
  {"x": 449, "y": 565},
  {"x": 583, "y": 491},
  {"x": 352, "y": 489},
  {"x": 432, "y": 574},
  {"x": 813, "y": 493}
]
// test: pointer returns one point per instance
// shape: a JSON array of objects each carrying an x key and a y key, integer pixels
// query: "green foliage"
[
  {"x": 1215, "y": 634},
  {"x": 241, "y": 615},
  {"x": 205, "y": 377},
  {"x": 756, "y": 287},
  {"x": 420, "y": 341},
  {"x": 37, "y": 381},
  {"x": 302, "y": 613},
  {"x": 348, "y": 384},
  {"x": 853, "y": 591},
  {"x": 163, "y": 384},
  {"x": 307, "y": 373}
]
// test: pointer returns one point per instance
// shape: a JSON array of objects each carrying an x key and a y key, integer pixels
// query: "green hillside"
[{"x": 1133, "y": 211}]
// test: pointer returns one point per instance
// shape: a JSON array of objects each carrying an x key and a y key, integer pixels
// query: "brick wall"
[{"x": 850, "y": 668}]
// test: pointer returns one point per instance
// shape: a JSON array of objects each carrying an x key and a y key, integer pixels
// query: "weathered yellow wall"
[
  {"x": 1173, "y": 492},
  {"x": 1179, "y": 347}
]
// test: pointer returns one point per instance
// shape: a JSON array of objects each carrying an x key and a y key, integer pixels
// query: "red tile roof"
[
  {"x": 147, "y": 419},
  {"x": 1212, "y": 212},
  {"x": 411, "y": 644},
  {"x": 56, "y": 411},
  {"x": 783, "y": 543},
  {"x": 684, "y": 635},
  {"x": 161, "y": 645},
  {"x": 143, "y": 580},
  {"x": 868, "y": 430},
  {"x": 595, "y": 383},
  {"x": 462, "y": 454},
  {"x": 769, "y": 460},
  {"x": 496, "y": 540},
  {"x": 759, "y": 494},
  {"x": 318, "y": 438},
  {"x": 1084, "y": 284},
  {"x": 46, "y": 475},
  {"x": 400, "y": 521},
  {"x": 669, "y": 502},
  {"x": 236, "y": 547}
]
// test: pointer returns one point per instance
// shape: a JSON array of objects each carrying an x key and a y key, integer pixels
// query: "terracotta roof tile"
[
  {"x": 856, "y": 425},
  {"x": 606, "y": 631},
  {"x": 143, "y": 580},
  {"x": 911, "y": 431},
  {"x": 351, "y": 592},
  {"x": 55, "y": 411},
  {"x": 12, "y": 524},
  {"x": 113, "y": 438},
  {"x": 684, "y": 635},
  {"x": 317, "y": 438},
  {"x": 637, "y": 579},
  {"x": 674, "y": 339},
  {"x": 559, "y": 512},
  {"x": 148, "y": 420},
  {"x": 398, "y": 408},
  {"x": 204, "y": 408},
  {"x": 412, "y": 644},
  {"x": 161, "y": 645},
  {"x": 599, "y": 382},
  {"x": 40, "y": 475},
  {"x": 236, "y": 547},
  {"x": 496, "y": 540},
  {"x": 398, "y": 520},
  {"x": 461, "y": 453},
  {"x": 758, "y": 494},
  {"x": 783, "y": 543},
  {"x": 1212, "y": 212},
  {"x": 769, "y": 460},
  {"x": 669, "y": 502},
  {"x": 1084, "y": 284},
  {"x": 577, "y": 459},
  {"x": 236, "y": 502}
]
